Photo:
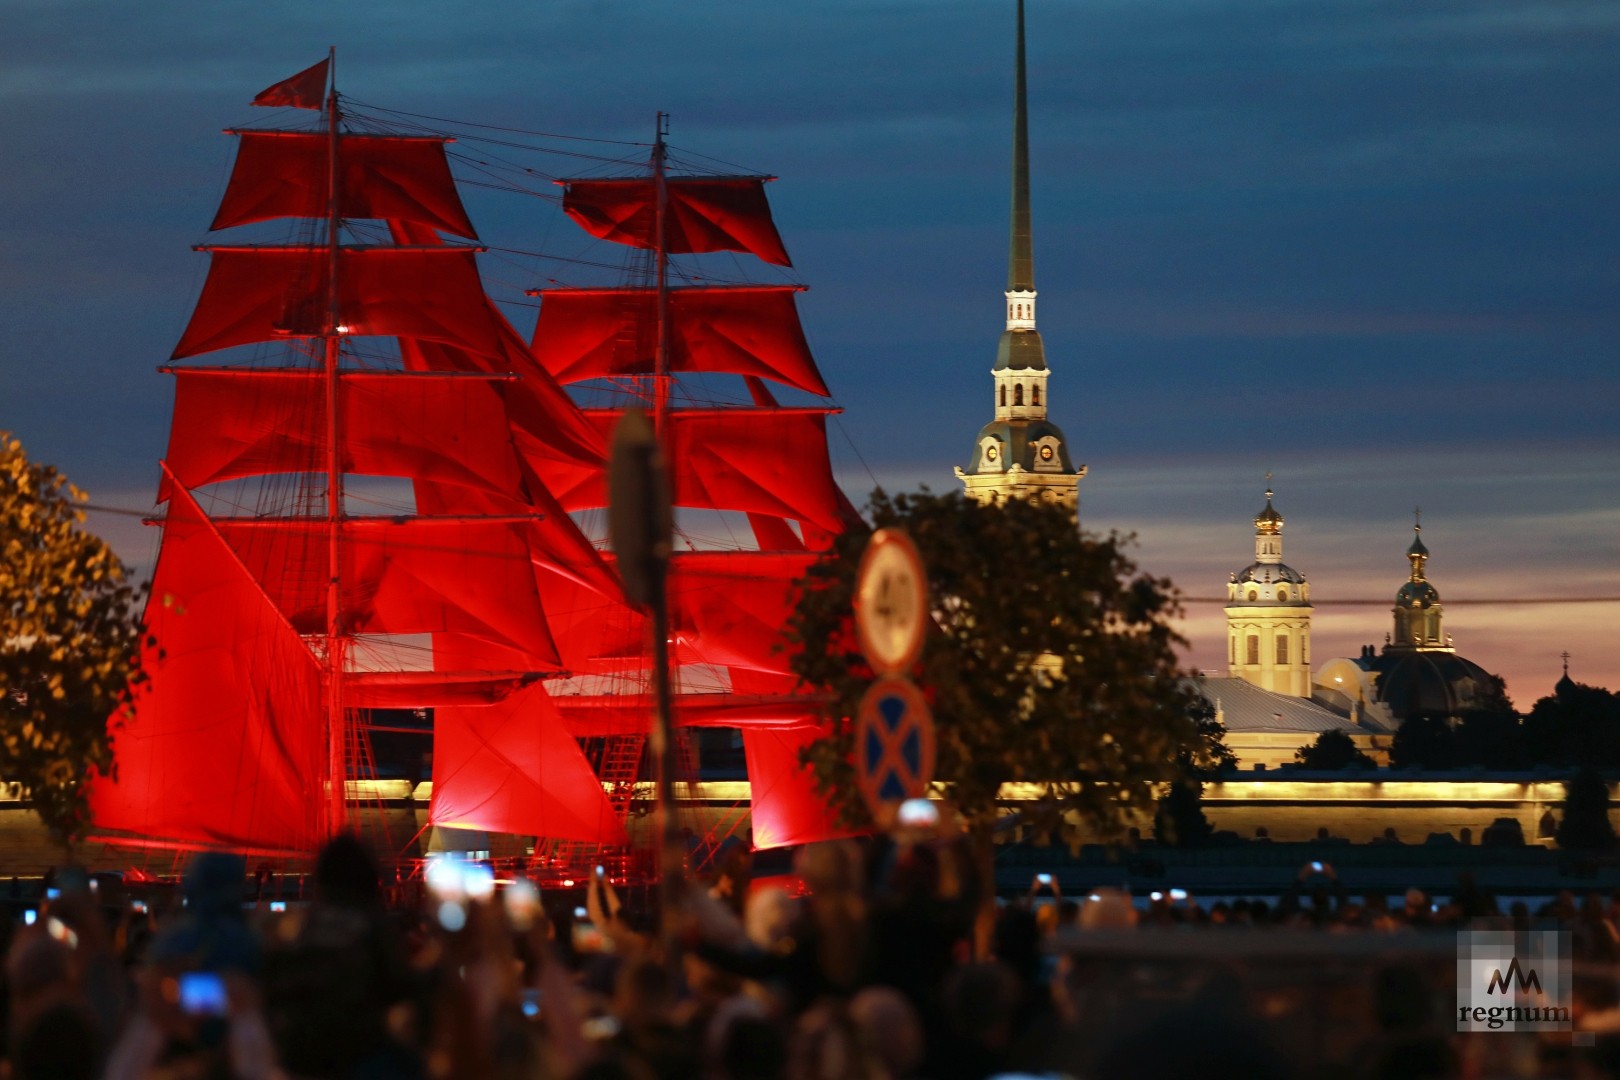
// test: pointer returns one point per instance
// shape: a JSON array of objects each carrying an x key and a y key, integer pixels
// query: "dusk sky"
[{"x": 1370, "y": 247}]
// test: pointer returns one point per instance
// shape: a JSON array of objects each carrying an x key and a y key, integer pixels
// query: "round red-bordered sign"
[
  {"x": 891, "y": 602},
  {"x": 894, "y": 744}
]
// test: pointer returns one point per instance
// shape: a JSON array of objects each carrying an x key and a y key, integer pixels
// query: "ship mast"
[
  {"x": 663, "y": 736},
  {"x": 661, "y": 376},
  {"x": 332, "y": 341}
]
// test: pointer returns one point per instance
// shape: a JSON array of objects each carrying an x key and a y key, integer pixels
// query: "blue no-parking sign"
[{"x": 894, "y": 744}]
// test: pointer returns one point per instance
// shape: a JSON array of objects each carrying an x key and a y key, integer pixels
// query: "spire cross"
[
  {"x": 1565, "y": 655},
  {"x": 1417, "y": 519}
]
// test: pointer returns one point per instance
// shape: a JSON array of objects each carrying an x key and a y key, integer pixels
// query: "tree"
[
  {"x": 1424, "y": 742},
  {"x": 1179, "y": 820},
  {"x": 1097, "y": 725},
  {"x": 1333, "y": 750},
  {"x": 1586, "y": 825},
  {"x": 69, "y": 632},
  {"x": 1575, "y": 725}
]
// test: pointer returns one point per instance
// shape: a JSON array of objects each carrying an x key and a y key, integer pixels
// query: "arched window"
[
  {"x": 1253, "y": 595},
  {"x": 1018, "y": 394},
  {"x": 1004, "y": 397},
  {"x": 1232, "y": 659},
  {"x": 1254, "y": 648},
  {"x": 1034, "y": 395},
  {"x": 1282, "y": 593},
  {"x": 1282, "y": 648}
]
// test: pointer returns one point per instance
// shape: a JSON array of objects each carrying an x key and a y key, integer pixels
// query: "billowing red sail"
[
  {"x": 234, "y": 422},
  {"x": 764, "y": 461},
  {"x": 269, "y": 293},
  {"x": 412, "y": 575},
  {"x": 223, "y": 743},
  {"x": 727, "y": 608},
  {"x": 706, "y": 213},
  {"x": 512, "y": 767},
  {"x": 285, "y": 174},
  {"x": 740, "y": 329},
  {"x": 785, "y": 808}
]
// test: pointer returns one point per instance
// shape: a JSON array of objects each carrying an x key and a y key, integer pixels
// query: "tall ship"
[{"x": 379, "y": 498}]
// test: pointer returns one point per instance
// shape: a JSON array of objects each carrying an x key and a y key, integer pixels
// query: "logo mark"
[{"x": 1525, "y": 977}]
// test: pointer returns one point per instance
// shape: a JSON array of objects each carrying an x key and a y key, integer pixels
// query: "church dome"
[
  {"x": 1423, "y": 683},
  {"x": 1268, "y": 520},
  {"x": 1419, "y": 594},
  {"x": 1269, "y": 573},
  {"x": 1268, "y": 583}
]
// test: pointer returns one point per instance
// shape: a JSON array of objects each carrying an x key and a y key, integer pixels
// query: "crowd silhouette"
[{"x": 876, "y": 960}]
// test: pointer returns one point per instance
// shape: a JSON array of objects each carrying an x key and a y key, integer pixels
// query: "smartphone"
[
  {"x": 918, "y": 814},
  {"x": 479, "y": 881},
  {"x": 531, "y": 1003},
  {"x": 1155, "y": 896},
  {"x": 522, "y": 902},
  {"x": 202, "y": 993},
  {"x": 278, "y": 905},
  {"x": 29, "y": 915},
  {"x": 1178, "y": 895},
  {"x": 1043, "y": 879},
  {"x": 53, "y": 893},
  {"x": 138, "y": 906},
  {"x": 1316, "y": 867},
  {"x": 444, "y": 879},
  {"x": 587, "y": 936}
]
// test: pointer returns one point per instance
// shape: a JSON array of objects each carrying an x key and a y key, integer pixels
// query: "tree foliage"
[
  {"x": 1333, "y": 750},
  {"x": 1585, "y": 825},
  {"x": 1575, "y": 725},
  {"x": 1098, "y": 726},
  {"x": 69, "y": 632}
]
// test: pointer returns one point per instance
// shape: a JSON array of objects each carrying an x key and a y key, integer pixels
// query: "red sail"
[
  {"x": 265, "y": 294},
  {"x": 550, "y": 433},
  {"x": 427, "y": 689},
  {"x": 404, "y": 576},
  {"x": 223, "y": 742},
  {"x": 629, "y": 714},
  {"x": 512, "y": 767},
  {"x": 706, "y": 213},
  {"x": 304, "y": 90},
  {"x": 236, "y": 422},
  {"x": 744, "y": 330},
  {"x": 726, "y": 609},
  {"x": 285, "y": 174},
  {"x": 763, "y": 461},
  {"x": 785, "y": 808}
]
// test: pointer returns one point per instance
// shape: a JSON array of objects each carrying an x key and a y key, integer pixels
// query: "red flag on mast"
[{"x": 305, "y": 90}]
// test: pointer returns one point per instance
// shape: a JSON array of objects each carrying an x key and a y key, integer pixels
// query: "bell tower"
[
  {"x": 1268, "y": 614},
  {"x": 1418, "y": 610},
  {"x": 1021, "y": 454}
]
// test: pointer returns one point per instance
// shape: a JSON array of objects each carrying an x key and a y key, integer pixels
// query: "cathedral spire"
[
  {"x": 1020, "y": 454},
  {"x": 1021, "y": 352},
  {"x": 1021, "y": 251}
]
